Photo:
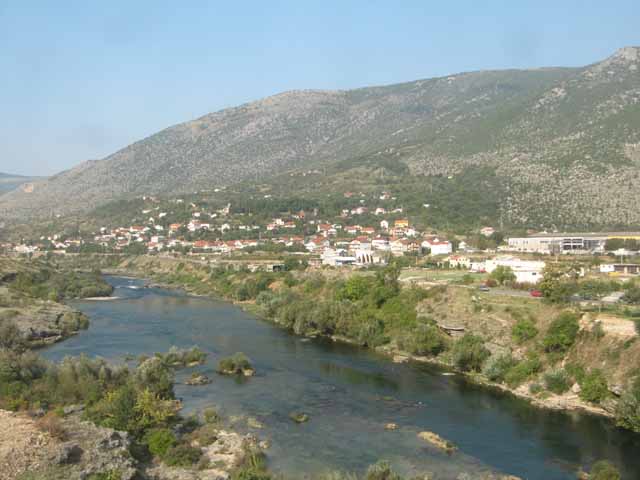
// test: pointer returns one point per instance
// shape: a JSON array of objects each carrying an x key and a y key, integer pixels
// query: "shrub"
[
  {"x": 381, "y": 471},
  {"x": 160, "y": 441},
  {"x": 522, "y": 371},
  {"x": 604, "y": 470},
  {"x": 182, "y": 455},
  {"x": 51, "y": 424},
  {"x": 497, "y": 370},
  {"x": 425, "y": 340},
  {"x": 562, "y": 333},
  {"x": 628, "y": 408},
  {"x": 502, "y": 275},
  {"x": 594, "y": 386},
  {"x": 469, "y": 353},
  {"x": 557, "y": 381},
  {"x": 523, "y": 330},
  {"x": 235, "y": 364}
]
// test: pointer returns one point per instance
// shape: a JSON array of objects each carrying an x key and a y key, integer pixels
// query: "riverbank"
[{"x": 567, "y": 401}]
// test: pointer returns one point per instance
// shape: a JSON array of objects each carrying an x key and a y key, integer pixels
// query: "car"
[
  {"x": 483, "y": 288},
  {"x": 535, "y": 293}
]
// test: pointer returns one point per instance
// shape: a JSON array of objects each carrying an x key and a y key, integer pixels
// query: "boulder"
[
  {"x": 198, "y": 379},
  {"x": 299, "y": 417},
  {"x": 391, "y": 426}
]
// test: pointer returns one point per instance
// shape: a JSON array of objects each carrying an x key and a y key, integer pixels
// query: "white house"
[
  {"x": 526, "y": 271},
  {"x": 437, "y": 246}
]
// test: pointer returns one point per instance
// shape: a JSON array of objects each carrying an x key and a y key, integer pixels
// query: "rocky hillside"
[
  {"x": 10, "y": 182},
  {"x": 564, "y": 143}
]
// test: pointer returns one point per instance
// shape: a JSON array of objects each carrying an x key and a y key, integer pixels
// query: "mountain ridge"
[{"x": 544, "y": 131}]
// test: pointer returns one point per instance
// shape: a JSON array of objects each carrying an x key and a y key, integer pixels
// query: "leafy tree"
[
  {"x": 559, "y": 282},
  {"x": 502, "y": 275}
]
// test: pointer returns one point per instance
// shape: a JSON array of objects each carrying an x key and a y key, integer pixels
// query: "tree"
[
  {"x": 559, "y": 282},
  {"x": 502, "y": 275}
]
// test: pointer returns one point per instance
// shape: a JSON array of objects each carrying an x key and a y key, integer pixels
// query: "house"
[
  {"x": 401, "y": 223},
  {"x": 526, "y": 271},
  {"x": 316, "y": 244},
  {"x": 380, "y": 211},
  {"x": 380, "y": 243},
  {"x": 384, "y": 224},
  {"x": 195, "y": 225},
  {"x": 368, "y": 230},
  {"x": 437, "y": 246},
  {"x": 487, "y": 231},
  {"x": 399, "y": 246},
  {"x": 459, "y": 261},
  {"x": 337, "y": 258}
]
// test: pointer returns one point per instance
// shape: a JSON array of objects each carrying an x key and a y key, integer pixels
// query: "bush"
[
  {"x": 52, "y": 425},
  {"x": 182, "y": 456},
  {"x": 381, "y": 471},
  {"x": 524, "y": 329},
  {"x": 235, "y": 364},
  {"x": 425, "y": 340},
  {"x": 469, "y": 353},
  {"x": 604, "y": 470},
  {"x": 522, "y": 371},
  {"x": 628, "y": 408},
  {"x": 557, "y": 381},
  {"x": 562, "y": 333},
  {"x": 594, "y": 387},
  {"x": 160, "y": 441},
  {"x": 497, "y": 370}
]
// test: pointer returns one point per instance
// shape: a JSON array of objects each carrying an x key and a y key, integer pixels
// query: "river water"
[{"x": 350, "y": 394}]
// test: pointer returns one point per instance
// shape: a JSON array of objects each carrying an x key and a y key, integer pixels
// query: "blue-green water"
[{"x": 349, "y": 393}]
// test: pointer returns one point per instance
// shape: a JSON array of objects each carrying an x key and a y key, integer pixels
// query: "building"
[
  {"x": 437, "y": 246},
  {"x": 555, "y": 243},
  {"x": 620, "y": 268},
  {"x": 526, "y": 271}
]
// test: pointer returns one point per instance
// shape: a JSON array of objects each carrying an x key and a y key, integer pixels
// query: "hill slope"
[
  {"x": 564, "y": 144},
  {"x": 10, "y": 182}
]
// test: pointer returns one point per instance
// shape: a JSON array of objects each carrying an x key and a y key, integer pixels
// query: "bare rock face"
[{"x": 85, "y": 450}]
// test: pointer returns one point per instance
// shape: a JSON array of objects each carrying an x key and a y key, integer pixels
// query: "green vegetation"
[
  {"x": 523, "y": 370},
  {"x": 628, "y": 408},
  {"x": 237, "y": 364},
  {"x": 593, "y": 386},
  {"x": 562, "y": 333},
  {"x": 604, "y": 470},
  {"x": 48, "y": 283},
  {"x": 502, "y": 275},
  {"x": 469, "y": 353},
  {"x": 557, "y": 381},
  {"x": 523, "y": 330}
]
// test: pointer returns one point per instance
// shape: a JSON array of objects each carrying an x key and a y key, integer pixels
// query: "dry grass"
[{"x": 52, "y": 424}]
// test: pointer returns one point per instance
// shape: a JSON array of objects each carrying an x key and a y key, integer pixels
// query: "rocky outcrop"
[{"x": 82, "y": 450}]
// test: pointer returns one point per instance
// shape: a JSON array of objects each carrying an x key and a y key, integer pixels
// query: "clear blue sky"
[{"x": 79, "y": 80}]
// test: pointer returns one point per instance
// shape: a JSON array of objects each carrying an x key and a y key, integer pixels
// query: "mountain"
[
  {"x": 10, "y": 182},
  {"x": 562, "y": 145}
]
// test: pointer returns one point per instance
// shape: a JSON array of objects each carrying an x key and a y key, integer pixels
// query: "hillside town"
[{"x": 359, "y": 237}]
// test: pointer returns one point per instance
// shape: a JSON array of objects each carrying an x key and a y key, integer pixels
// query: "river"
[{"x": 350, "y": 393}]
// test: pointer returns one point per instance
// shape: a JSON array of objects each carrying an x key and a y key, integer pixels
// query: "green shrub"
[
  {"x": 562, "y": 333},
  {"x": 160, "y": 441},
  {"x": 557, "y": 381},
  {"x": 604, "y": 470},
  {"x": 469, "y": 353},
  {"x": 425, "y": 340},
  {"x": 235, "y": 364},
  {"x": 497, "y": 370},
  {"x": 594, "y": 386},
  {"x": 522, "y": 371},
  {"x": 523, "y": 330},
  {"x": 381, "y": 471},
  {"x": 628, "y": 408},
  {"x": 182, "y": 455}
]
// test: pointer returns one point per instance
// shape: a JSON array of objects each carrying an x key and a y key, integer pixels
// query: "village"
[{"x": 358, "y": 237}]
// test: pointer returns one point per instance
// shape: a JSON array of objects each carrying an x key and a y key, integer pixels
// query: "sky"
[{"x": 80, "y": 80}]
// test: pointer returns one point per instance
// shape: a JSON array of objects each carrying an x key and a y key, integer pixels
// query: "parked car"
[
  {"x": 535, "y": 293},
  {"x": 483, "y": 288}
]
